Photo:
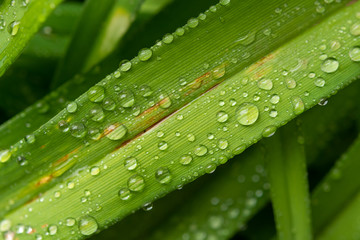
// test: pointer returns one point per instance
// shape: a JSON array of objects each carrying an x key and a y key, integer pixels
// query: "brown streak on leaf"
[{"x": 65, "y": 158}]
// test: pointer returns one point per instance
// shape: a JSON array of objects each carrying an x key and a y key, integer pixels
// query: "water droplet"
[
  {"x": 13, "y": 28},
  {"x": 335, "y": 45},
  {"x": 275, "y": 99},
  {"x": 70, "y": 222},
  {"x": 5, "y": 155},
  {"x": 269, "y": 131},
  {"x": 273, "y": 113},
  {"x": 355, "y": 29},
  {"x": 78, "y": 130},
  {"x": 164, "y": 101},
  {"x": 210, "y": 168},
  {"x": 193, "y": 22},
  {"x": 200, "y": 150},
  {"x": 329, "y": 65},
  {"x": 265, "y": 84},
  {"x": 5, "y": 225},
  {"x": 52, "y": 229},
  {"x": 222, "y": 116},
  {"x": 109, "y": 104},
  {"x": 145, "y": 54},
  {"x": 219, "y": 71},
  {"x": 223, "y": 143},
  {"x": 247, "y": 39},
  {"x": 354, "y": 54},
  {"x": 116, "y": 133},
  {"x": 145, "y": 91},
  {"x": 127, "y": 98},
  {"x": 136, "y": 183},
  {"x": 168, "y": 38},
  {"x": 94, "y": 134},
  {"x": 298, "y": 105},
  {"x": 96, "y": 94},
  {"x": 319, "y": 82},
  {"x": 290, "y": 83},
  {"x": 180, "y": 31},
  {"x": 130, "y": 163},
  {"x": 124, "y": 194},
  {"x": 191, "y": 137},
  {"x": 97, "y": 114},
  {"x": 63, "y": 126},
  {"x": 162, "y": 145},
  {"x": 163, "y": 175},
  {"x": 94, "y": 171},
  {"x": 323, "y": 102},
  {"x": 125, "y": 66},
  {"x": 186, "y": 159},
  {"x": 224, "y": 2},
  {"x": 88, "y": 225},
  {"x": 247, "y": 114},
  {"x": 71, "y": 107}
]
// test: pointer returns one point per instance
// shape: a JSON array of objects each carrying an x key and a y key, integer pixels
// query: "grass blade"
[
  {"x": 19, "y": 21},
  {"x": 79, "y": 155},
  {"x": 286, "y": 164},
  {"x": 98, "y": 32}
]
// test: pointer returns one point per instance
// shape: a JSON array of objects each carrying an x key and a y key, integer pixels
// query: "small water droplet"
[
  {"x": 147, "y": 207},
  {"x": 224, "y": 2},
  {"x": 116, "y": 133},
  {"x": 275, "y": 99},
  {"x": 124, "y": 194},
  {"x": 130, "y": 163},
  {"x": 168, "y": 38},
  {"x": 180, "y": 31},
  {"x": 136, "y": 183},
  {"x": 290, "y": 83},
  {"x": 223, "y": 143},
  {"x": 87, "y": 225},
  {"x": 163, "y": 175},
  {"x": 191, "y": 137},
  {"x": 108, "y": 104},
  {"x": 319, "y": 82},
  {"x": 94, "y": 171},
  {"x": 13, "y": 28},
  {"x": 265, "y": 84},
  {"x": 334, "y": 45},
  {"x": 5, "y": 225},
  {"x": 186, "y": 159},
  {"x": 355, "y": 29},
  {"x": 330, "y": 65},
  {"x": 164, "y": 101},
  {"x": 193, "y": 22},
  {"x": 145, "y": 54},
  {"x": 269, "y": 131},
  {"x": 247, "y": 114},
  {"x": 145, "y": 91},
  {"x": 222, "y": 116},
  {"x": 125, "y": 66},
  {"x": 273, "y": 113},
  {"x": 70, "y": 222},
  {"x": 96, "y": 94},
  {"x": 200, "y": 150},
  {"x": 162, "y": 145},
  {"x": 298, "y": 105},
  {"x": 52, "y": 229},
  {"x": 354, "y": 54},
  {"x": 5, "y": 155},
  {"x": 97, "y": 114},
  {"x": 78, "y": 130},
  {"x": 127, "y": 98}
]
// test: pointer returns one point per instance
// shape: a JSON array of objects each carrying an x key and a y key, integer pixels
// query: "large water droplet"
[
  {"x": 330, "y": 65},
  {"x": 87, "y": 225},
  {"x": 127, "y": 98},
  {"x": 290, "y": 83},
  {"x": 193, "y": 22},
  {"x": 52, "y": 229},
  {"x": 200, "y": 150},
  {"x": 94, "y": 171},
  {"x": 116, "y": 133},
  {"x": 125, "y": 66},
  {"x": 223, "y": 143},
  {"x": 168, "y": 38},
  {"x": 163, "y": 175},
  {"x": 96, "y": 94},
  {"x": 319, "y": 82},
  {"x": 354, "y": 54},
  {"x": 265, "y": 84},
  {"x": 109, "y": 104},
  {"x": 164, "y": 100},
  {"x": 97, "y": 114},
  {"x": 145, "y": 91},
  {"x": 136, "y": 183},
  {"x": 145, "y": 54},
  {"x": 269, "y": 131},
  {"x": 298, "y": 105},
  {"x": 247, "y": 114},
  {"x": 71, "y": 107}
]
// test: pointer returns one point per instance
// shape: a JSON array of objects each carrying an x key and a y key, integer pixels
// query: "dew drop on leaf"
[
  {"x": 355, "y": 29},
  {"x": 298, "y": 105},
  {"x": 127, "y": 98},
  {"x": 265, "y": 84},
  {"x": 200, "y": 150},
  {"x": 330, "y": 65},
  {"x": 13, "y": 28},
  {"x": 96, "y": 94},
  {"x": 116, "y": 133},
  {"x": 5, "y": 155},
  {"x": 354, "y": 54},
  {"x": 78, "y": 130},
  {"x": 186, "y": 159},
  {"x": 124, "y": 194},
  {"x": 145, "y": 54},
  {"x": 269, "y": 131},
  {"x": 71, "y": 107},
  {"x": 136, "y": 183},
  {"x": 247, "y": 114},
  {"x": 163, "y": 175},
  {"x": 319, "y": 82},
  {"x": 222, "y": 116},
  {"x": 87, "y": 225},
  {"x": 130, "y": 163}
]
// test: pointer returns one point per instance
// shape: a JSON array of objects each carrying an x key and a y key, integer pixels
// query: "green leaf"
[
  {"x": 70, "y": 162},
  {"x": 286, "y": 164},
  {"x": 98, "y": 32},
  {"x": 19, "y": 20}
]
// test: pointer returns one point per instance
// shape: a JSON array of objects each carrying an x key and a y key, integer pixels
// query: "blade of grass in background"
[
  {"x": 19, "y": 21},
  {"x": 286, "y": 166},
  {"x": 176, "y": 137},
  {"x": 335, "y": 201},
  {"x": 98, "y": 32},
  {"x": 27, "y": 80}
]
